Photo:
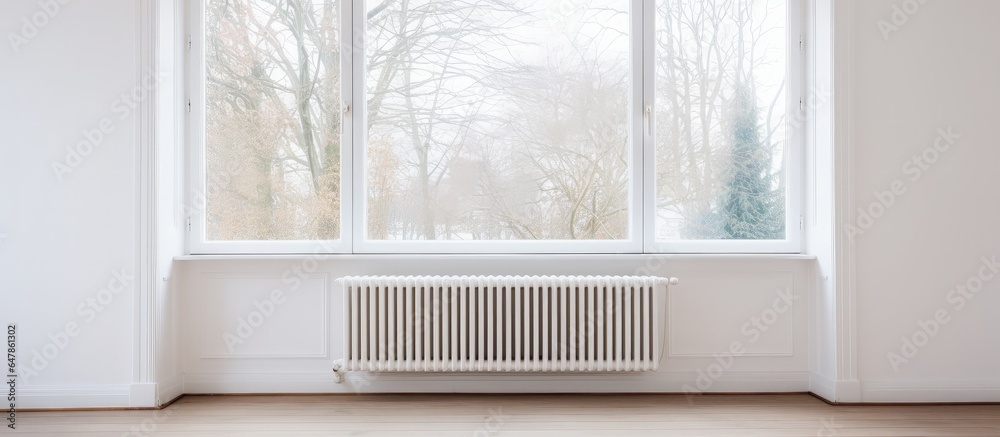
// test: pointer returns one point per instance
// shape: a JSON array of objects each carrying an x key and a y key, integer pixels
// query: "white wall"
[
  {"x": 939, "y": 70},
  {"x": 294, "y": 347},
  {"x": 65, "y": 239},
  {"x": 61, "y": 241}
]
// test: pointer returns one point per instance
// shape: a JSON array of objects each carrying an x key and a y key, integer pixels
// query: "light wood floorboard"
[{"x": 516, "y": 416}]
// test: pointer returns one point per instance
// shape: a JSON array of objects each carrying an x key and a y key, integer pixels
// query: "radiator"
[{"x": 502, "y": 323}]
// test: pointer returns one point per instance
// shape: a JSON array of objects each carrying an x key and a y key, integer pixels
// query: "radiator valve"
[{"x": 338, "y": 371}]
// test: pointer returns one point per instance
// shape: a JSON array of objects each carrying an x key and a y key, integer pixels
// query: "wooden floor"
[{"x": 517, "y": 415}]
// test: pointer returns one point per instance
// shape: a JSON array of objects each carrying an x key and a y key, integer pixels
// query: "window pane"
[
  {"x": 272, "y": 123},
  {"x": 720, "y": 119},
  {"x": 497, "y": 120}
]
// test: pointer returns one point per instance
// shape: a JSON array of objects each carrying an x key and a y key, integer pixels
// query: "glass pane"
[
  {"x": 720, "y": 119},
  {"x": 272, "y": 122},
  {"x": 497, "y": 120}
]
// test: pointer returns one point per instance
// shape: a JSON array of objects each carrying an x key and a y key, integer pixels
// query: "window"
[
  {"x": 271, "y": 129},
  {"x": 722, "y": 71},
  {"x": 393, "y": 126}
]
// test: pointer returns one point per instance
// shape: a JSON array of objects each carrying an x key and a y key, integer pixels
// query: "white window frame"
[{"x": 641, "y": 238}]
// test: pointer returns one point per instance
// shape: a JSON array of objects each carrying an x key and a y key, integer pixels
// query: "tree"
[
  {"x": 501, "y": 134},
  {"x": 720, "y": 118},
  {"x": 427, "y": 64},
  {"x": 752, "y": 204},
  {"x": 574, "y": 146},
  {"x": 273, "y": 105}
]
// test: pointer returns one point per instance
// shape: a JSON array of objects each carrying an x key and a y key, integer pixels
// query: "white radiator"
[{"x": 502, "y": 323}]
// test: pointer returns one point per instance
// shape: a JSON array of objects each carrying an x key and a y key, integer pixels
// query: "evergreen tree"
[{"x": 752, "y": 206}]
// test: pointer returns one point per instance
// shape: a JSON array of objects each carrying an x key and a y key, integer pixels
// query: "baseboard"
[
  {"x": 924, "y": 392},
  {"x": 169, "y": 389},
  {"x": 142, "y": 395},
  {"x": 848, "y": 391},
  {"x": 835, "y": 392},
  {"x": 128, "y": 396},
  {"x": 823, "y": 387},
  {"x": 359, "y": 382},
  {"x": 103, "y": 396}
]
